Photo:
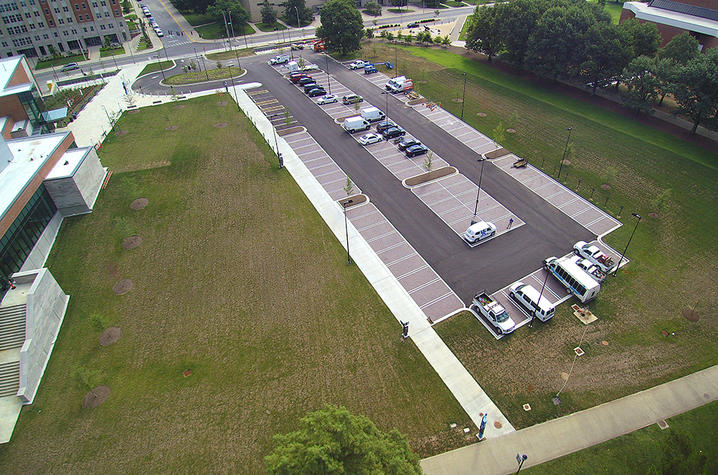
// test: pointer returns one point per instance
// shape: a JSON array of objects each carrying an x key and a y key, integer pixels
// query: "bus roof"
[{"x": 577, "y": 273}]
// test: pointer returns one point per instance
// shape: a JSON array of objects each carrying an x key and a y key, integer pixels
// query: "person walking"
[{"x": 511, "y": 222}]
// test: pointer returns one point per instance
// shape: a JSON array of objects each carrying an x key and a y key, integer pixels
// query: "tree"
[
  {"x": 332, "y": 440},
  {"x": 681, "y": 49},
  {"x": 372, "y": 8},
  {"x": 239, "y": 14},
  {"x": 666, "y": 71},
  {"x": 342, "y": 27},
  {"x": 644, "y": 37},
  {"x": 269, "y": 16},
  {"x": 485, "y": 32},
  {"x": 518, "y": 20},
  {"x": 696, "y": 89},
  {"x": 607, "y": 52},
  {"x": 197, "y": 6},
  {"x": 641, "y": 82},
  {"x": 290, "y": 14}
]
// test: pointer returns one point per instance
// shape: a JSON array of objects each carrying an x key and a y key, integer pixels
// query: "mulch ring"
[
  {"x": 222, "y": 103},
  {"x": 511, "y": 131},
  {"x": 605, "y": 186},
  {"x": 178, "y": 107},
  {"x": 131, "y": 242},
  {"x": 220, "y": 125},
  {"x": 139, "y": 203},
  {"x": 122, "y": 132},
  {"x": 110, "y": 336},
  {"x": 122, "y": 286},
  {"x": 96, "y": 397},
  {"x": 481, "y": 114},
  {"x": 172, "y": 127},
  {"x": 691, "y": 315},
  {"x": 653, "y": 215},
  {"x": 566, "y": 161}
]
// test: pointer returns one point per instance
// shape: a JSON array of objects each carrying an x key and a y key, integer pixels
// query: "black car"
[
  {"x": 383, "y": 125},
  {"x": 407, "y": 142},
  {"x": 393, "y": 132},
  {"x": 415, "y": 150},
  {"x": 317, "y": 91},
  {"x": 413, "y": 25},
  {"x": 309, "y": 86},
  {"x": 306, "y": 80}
]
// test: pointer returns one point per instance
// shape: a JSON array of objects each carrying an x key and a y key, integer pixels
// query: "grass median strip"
[
  {"x": 230, "y": 54},
  {"x": 203, "y": 76},
  {"x": 157, "y": 66}
]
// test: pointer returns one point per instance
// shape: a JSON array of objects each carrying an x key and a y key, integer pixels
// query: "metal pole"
[
  {"x": 478, "y": 191},
  {"x": 329, "y": 79},
  {"x": 463, "y": 98},
  {"x": 225, "y": 26},
  {"x": 521, "y": 463},
  {"x": 635, "y": 215},
  {"x": 533, "y": 314},
  {"x": 565, "y": 149},
  {"x": 160, "y": 65}
]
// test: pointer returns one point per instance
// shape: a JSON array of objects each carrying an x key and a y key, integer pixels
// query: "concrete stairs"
[
  {"x": 9, "y": 378},
  {"x": 12, "y": 327}
]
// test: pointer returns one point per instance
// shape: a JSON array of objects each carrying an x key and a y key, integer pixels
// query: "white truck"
[
  {"x": 595, "y": 255},
  {"x": 356, "y": 124},
  {"x": 492, "y": 311},
  {"x": 592, "y": 269},
  {"x": 399, "y": 84},
  {"x": 372, "y": 114}
]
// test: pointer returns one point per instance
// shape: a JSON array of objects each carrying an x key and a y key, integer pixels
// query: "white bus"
[{"x": 575, "y": 279}]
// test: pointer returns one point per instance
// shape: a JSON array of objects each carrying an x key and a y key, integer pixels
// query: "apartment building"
[{"x": 40, "y": 28}]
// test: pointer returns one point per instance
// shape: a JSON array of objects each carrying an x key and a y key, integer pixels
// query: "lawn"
[
  {"x": 195, "y": 19},
  {"x": 156, "y": 66},
  {"x": 644, "y": 451},
  {"x": 217, "y": 30},
  {"x": 61, "y": 61},
  {"x": 670, "y": 181},
  {"x": 111, "y": 51},
  {"x": 230, "y": 54},
  {"x": 270, "y": 327},
  {"x": 266, "y": 27},
  {"x": 465, "y": 29},
  {"x": 203, "y": 76},
  {"x": 614, "y": 9}
]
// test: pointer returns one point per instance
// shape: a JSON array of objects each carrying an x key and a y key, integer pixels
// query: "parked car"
[
  {"x": 370, "y": 69},
  {"x": 414, "y": 150},
  {"x": 413, "y": 25},
  {"x": 328, "y": 99},
  {"x": 358, "y": 64},
  {"x": 305, "y": 80},
  {"x": 309, "y": 86},
  {"x": 407, "y": 142},
  {"x": 159, "y": 32},
  {"x": 296, "y": 77},
  {"x": 297, "y": 46},
  {"x": 478, "y": 231},
  {"x": 595, "y": 255},
  {"x": 309, "y": 67},
  {"x": 317, "y": 91},
  {"x": 352, "y": 99},
  {"x": 370, "y": 138},
  {"x": 70, "y": 67},
  {"x": 281, "y": 59},
  {"x": 393, "y": 132},
  {"x": 386, "y": 124}
]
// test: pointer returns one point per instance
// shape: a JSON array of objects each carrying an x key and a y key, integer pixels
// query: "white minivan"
[
  {"x": 372, "y": 114},
  {"x": 355, "y": 124},
  {"x": 528, "y": 297},
  {"x": 479, "y": 231}
]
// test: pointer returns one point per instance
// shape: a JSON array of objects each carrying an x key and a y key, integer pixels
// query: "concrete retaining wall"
[
  {"x": 42, "y": 247},
  {"x": 76, "y": 194}
]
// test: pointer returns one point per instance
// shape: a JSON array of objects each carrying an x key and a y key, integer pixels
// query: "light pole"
[
  {"x": 533, "y": 314},
  {"x": 239, "y": 66},
  {"x": 346, "y": 227},
  {"x": 635, "y": 215},
  {"x": 299, "y": 25},
  {"x": 329, "y": 79},
  {"x": 520, "y": 459},
  {"x": 463, "y": 98},
  {"x": 161, "y": 69},
  {"x": 478, "y": 191},
  {"x": 565, "y": 149}
]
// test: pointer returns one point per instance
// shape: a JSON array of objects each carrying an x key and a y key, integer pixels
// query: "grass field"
[
  {"x": 274, "y": 26},
  {"x": 104, "y": 52},
  {"x": 270, "y": 327},
  {"x": 217, "y": 30},
  {"x": 671, "y": 182},
  {"x": 195, "y": 19},
  {"x": 156, "y": 66},
  {"x": 77, "y": 58},
  {"x": 230, "y": 54},
  {"x": 644, "y": 451},
  {"x": 202, "y": 76},
  {"x": 465, "y": 29}
]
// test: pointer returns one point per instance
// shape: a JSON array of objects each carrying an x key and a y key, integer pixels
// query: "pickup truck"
[
  {"x": 370, "y": 69},
  {"x": 493, "y": 312},
  {"x": 594, "y": 254},
  {"x": 592, "y": 269},
  {"x": 358, "y": 64}
]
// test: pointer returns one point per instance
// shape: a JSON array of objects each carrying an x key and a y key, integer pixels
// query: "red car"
[{"x": 295, "y": 78}]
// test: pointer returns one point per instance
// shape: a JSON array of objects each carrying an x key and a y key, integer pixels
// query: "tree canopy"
[
  {"x": 696, "y": 91},
  {"x": 342, "y": 27},
  {"x": 269, "y": 16},
  {"x": 239, "y": 14},
  {"x": 292, "y": 7},
  {"x": 332, "y": 440}
]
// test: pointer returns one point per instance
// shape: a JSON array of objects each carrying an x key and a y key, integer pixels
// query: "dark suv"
[
  {"x": 393, "y": 132},
  {"x": 385, "y": 124},
  {"x": 407, "y": 142}
]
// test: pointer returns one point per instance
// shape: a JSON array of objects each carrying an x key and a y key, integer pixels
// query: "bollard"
[
  {"x": 592, "y": 190},
  {"x": 566, "y": 176},
  {"x": 606, "y": 203},
  {"x": 578, "y": 185},
  {"x": 620, "y": 211},
  {"x": 543, "y": 159}
]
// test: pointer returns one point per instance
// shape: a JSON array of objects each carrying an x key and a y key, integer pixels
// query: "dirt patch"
[
  {"x": 111, "y": 269},
  {"x": 481, "y": 114},
  {"x": 131, "y": 242},
  {"x": 421, "y": 81},
  {"x": 564, "y": 375},
  {"x": 122, "y": 287},
  {"x": 122, "y": 132},
  {"x": 110, "y": 336},
  {"x": 653, "y": 215},
  {"x": 499, "y": 152},
  {"x": 604, "y": 343},
  {"x": 291, "y": 130},
  {"x": 511, "y": 131},
  {"x": 139, "y": 203},
  {"x": 96, "y": 397},
  {"x": 178, "y": 107},
  {"x": 691, "y": 315},
  {"x": 220, "y": 125},
  {"x": 172, "y": 127},
  {"x": 605, "y": 186},
  {"x": 428, "y": 176},
  {"x": 355, "y": 200}
]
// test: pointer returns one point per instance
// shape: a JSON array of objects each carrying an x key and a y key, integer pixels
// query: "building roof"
[
  {"x": 68, "y": 164},
  {"x": 684, "y": 21},
  {"x": 678, "y": 7},
  {"x": 29, "y": 154},
  {"x": 8, "y": 66}
]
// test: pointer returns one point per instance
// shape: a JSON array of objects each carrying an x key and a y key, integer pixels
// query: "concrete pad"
[
  {"x": 442, "y": 307},
  {"x": 429, "y": 292},
  {"x": 378, "y": 229},
  {"x": 406, "y": 264},
  {"x": 387, "y": 242},
  {"x": 395, "y": 252},
  {"x": 417, "y": 278}
]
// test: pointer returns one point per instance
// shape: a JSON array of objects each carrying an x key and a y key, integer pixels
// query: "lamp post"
[
  {"x": 478, "y": 191},
  {"x": 463, "y": 98},
  {"x": 565, "y": 149},
  {"x": 329, "y": 79},
  {"x": 635, "y": 215},
  {"x": 520, "y": 459},
  {"x": 346, "y": 227},
  {"x": 159, "y": 63},
  {"x": 533, "y": 313},
  {"x": 239, "y": 66}
]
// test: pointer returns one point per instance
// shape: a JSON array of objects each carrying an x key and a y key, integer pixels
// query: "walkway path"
[{"x": 559, "y": 437}]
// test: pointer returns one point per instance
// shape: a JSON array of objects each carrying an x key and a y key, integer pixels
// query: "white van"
[
  {"x": 479, "y": 231},
  {"x": 372, "y": 114},
  {"x": 292, "y": 66},
  {"x": 356, "y": 124},
  {"x": 395, "y": 84},
  {"x": 528, "y": 297}
]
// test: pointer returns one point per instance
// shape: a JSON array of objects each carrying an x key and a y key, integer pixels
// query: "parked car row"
[{"x": 148, "y": 14}]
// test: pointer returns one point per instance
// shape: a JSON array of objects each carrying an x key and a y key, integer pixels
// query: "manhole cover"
[
  {"x": 564, "y": 375},
  {"x": 663, "y": 425},
  {"x": 605, "y": 186},
  {"x": 110, "y": 336},
  {"x": 691, "y": 315},
  {"x": 511, "y": 131},
  {"x": 95, "y": 397},
  {"x": 481, "y": 114},
  {"x": 220, "y": 125},
  {"x": 111, "y": 269},
  {"x": 527, "y": 407},
  {"x": 131, "y": 242},
  {"x": 139, "y": 203},
  {"x": 122, "y": 287},
  {"x": 172, "y": 127},
  {"x": 498, "y": 425}
]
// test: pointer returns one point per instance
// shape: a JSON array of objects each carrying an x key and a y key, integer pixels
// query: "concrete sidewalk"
[{"x": 559, "y": 437}]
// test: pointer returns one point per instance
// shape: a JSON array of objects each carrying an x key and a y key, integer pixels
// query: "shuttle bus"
[{"x": 575, "y": 279}]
